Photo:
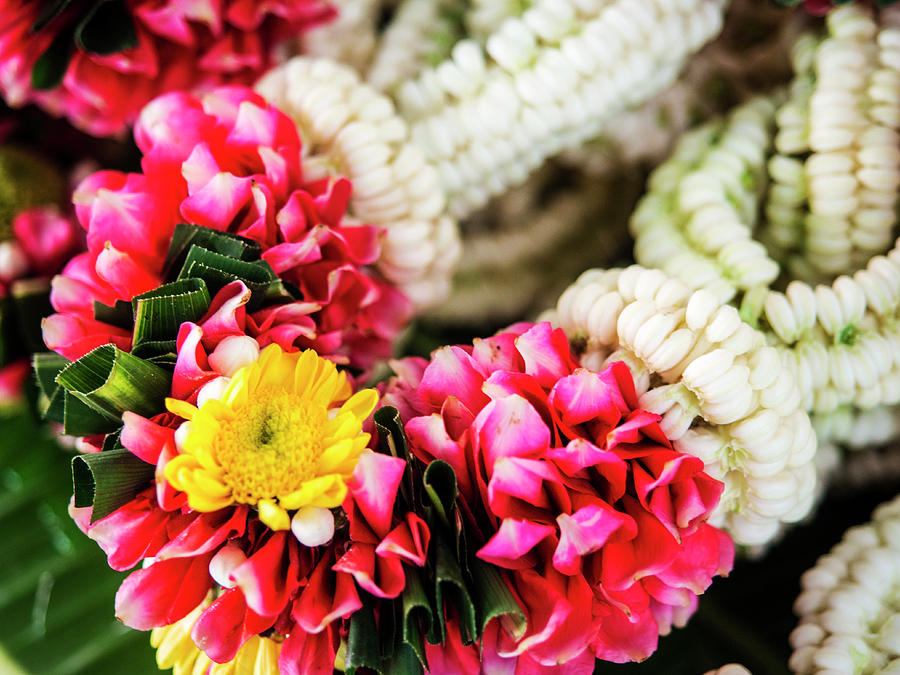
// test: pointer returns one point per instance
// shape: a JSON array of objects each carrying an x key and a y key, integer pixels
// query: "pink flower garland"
[
  {"x": 181, "y": 45},
  {"x": 598, "y": 523},
  {"x": 262, "y": 580},
  {"x": 231, "y": 162}
]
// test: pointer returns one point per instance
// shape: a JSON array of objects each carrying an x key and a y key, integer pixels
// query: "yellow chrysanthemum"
[
  {"x": 175, "y": 649},
  {"x": 278, "y": 438}
]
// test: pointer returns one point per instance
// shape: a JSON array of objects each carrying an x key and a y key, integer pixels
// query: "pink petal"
[
  {"x": 303, "y": 653},
  {"x": 143, "y": 438},
  {"x": 373, "y": 488},
  {"x": 546, "y": 353},
  {"x": 326, "y": 598},
  {"x": 452, "y": 372},
  {"x": 408, "y": 541},
  {"x": 382, "y": 577},
  {"x": 206, "y": 533},
  {"x": 510, "y": 545},
  {"x": 510, "y": 427},
  {"x": 269, "y": 577},
  {"x": 585, "y": 531},
  {"x": 163, "y": 593}
]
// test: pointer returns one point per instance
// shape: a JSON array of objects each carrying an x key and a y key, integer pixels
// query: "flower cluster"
[
  {"x": 265, "y": 512},
  {"x": 572, "y": 490},
  {"x": 125, "y": 54},
  {"x": 230, "y": 162},
  {"x": 725, "y": 396},
  {"x": 848, "y": 609}
]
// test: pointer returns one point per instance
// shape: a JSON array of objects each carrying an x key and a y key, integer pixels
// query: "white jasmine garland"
[
  {"x": 848, "y": 608},
  {"x": 350, "y": 129},
  {"x": 724, "y": 395},
  {"x": 545, "y": 81},
  {"x": 841, "y": 338},
  {"x": 416, "y": 36},
  {"x": 349, "y": 38}
]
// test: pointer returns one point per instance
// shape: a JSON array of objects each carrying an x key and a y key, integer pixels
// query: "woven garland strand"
[
  {"x": 848, "y": 608},
  {"x": 723, "y": 394},
  {"x": 350, "y": 129}
]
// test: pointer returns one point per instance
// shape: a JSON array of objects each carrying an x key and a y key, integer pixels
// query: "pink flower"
[
  {"x": 180, "y": 45},
  {"x": 597, "y": 522},
  {"x": 261, "y": 579},
  {"x": 230, "y": 162}
]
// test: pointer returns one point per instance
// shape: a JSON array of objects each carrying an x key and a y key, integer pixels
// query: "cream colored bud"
[
  {"x": 313, "y": 526},
  {"x": 233, "y": 353},
  {"x": 224, "y": 562}
]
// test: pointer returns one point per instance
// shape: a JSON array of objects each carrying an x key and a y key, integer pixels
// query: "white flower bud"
[
  {"x": 13, "y": 261},
  {"x": 313, "y": 526},
  {"x": 224, "y": 562},
  {"x": 233, "y": 353},
  {"x": 214, "y": 389}
]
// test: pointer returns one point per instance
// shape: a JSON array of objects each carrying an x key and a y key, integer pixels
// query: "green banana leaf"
[{"x": 56, "y": 590}]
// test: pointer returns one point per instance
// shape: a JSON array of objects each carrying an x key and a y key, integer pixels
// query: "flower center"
[{"x": 271, "y": 446}]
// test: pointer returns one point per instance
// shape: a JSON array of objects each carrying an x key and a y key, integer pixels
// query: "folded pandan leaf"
[
  {"x": 452, "y": 583},
  {"x": 109, "y": 479}
]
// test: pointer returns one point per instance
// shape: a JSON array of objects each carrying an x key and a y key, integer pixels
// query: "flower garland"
[
  {"x": 825, "y": 214},
  {"x": 570, "y": 488},
  {"x": 848, "y": 613},
  {"x": 550, "y": 79},
  {"x": 99, "y": 65},
  {"x": 349, "y": 129},
  {"x": 232, "y": 163},
  {"x": 724, "y": 395}
]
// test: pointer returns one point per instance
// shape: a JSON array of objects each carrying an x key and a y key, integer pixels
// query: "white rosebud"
[
  {"x": 181, "y": 434},
  {"x": 313, "y": 526},
  {"x": 13, "y": 261},
  {"x": 233, "y": 353},
  {"x": 224, "y": 562},
  {"x": 214, "y": 389}
]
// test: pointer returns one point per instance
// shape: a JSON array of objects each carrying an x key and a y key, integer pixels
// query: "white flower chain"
[
  {"x": 838, "y": 167},
  {"x": 843, "y": 339},
  {"x": 849, "y": 609},
  {"x": 350, "y": 38},
  {"x": 410, "y": 40},
  {"x": 724, "y": 395},
  {"x": 545, "y": 81},
  {"x": 350, "y": 129}
]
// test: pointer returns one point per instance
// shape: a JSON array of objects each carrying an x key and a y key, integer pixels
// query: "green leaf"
[
  {"x": 218, "y": 270},
  {"x": 47, "y": 365},
  {"x": 450, "y": 590},
  {"x": 227, "y": 244},
  {"x": 108, "y": 480},
  {"x": 80, "y": 419},
  {"x": 440, "y": 486},
  {"x": 404, "y": 662},
  {"x": 493, "y": 599},
  {"x": 50, "y": 67},
  {"x": 363, "y": 639},
  {"x": 112, "y": 381},
  {"x": 51, "y": 401},
  {"x": 107, "y": 28},
  {"x": 160, "y": 352},
  {"x": 158, "y": 314},
  {"x": 120, "y": 314},
  {"x": 417, "y": 614}
]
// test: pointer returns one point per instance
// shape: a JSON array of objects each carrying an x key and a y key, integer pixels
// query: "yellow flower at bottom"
[
  {"x": 286, "y": 433},
  {"x": 175, "y": 649}
]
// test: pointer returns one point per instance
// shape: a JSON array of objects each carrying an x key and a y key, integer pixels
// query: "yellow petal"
[
  {"x": 334, "y": 456},
  {"x": 361, "y": 404},
  {"x": 273, "y": 515},
  {"x": 325, "y": 491},
  {"x": 181, "y": 408}
]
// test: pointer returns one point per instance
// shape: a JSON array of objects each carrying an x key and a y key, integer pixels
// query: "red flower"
[
  {"x": 230, "y": 162},
  {"x": 597, "y": 520},
  {"x": 181, "y": 45}
]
